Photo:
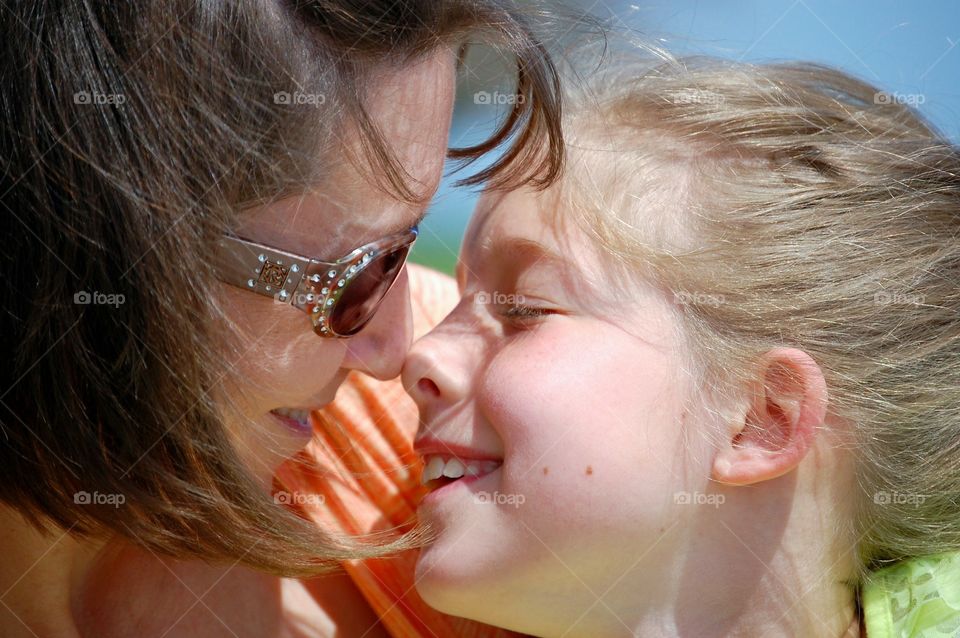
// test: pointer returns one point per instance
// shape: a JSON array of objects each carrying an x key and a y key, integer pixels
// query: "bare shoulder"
[
  {"x": 330, "y": 602},
  {"x": 141, "y": 594}
]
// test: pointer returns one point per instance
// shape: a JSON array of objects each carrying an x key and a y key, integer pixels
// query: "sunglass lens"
[{"x": 365, "y": 291}]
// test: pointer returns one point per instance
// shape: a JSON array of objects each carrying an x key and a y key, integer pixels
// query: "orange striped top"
[{"x": 370, "y": 478}]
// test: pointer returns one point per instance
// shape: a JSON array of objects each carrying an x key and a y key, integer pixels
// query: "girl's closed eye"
[{"x": 521, "y": 314}]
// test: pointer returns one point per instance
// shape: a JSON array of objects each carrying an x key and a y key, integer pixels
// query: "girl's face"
[
  {"x": 561, "y": 397},
  {"x": 282, "y": 364}
]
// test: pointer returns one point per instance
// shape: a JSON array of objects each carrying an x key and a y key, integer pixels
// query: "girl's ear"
[{"x": 786, "y": 407}]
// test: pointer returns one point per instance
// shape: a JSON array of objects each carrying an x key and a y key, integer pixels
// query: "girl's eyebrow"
[
  {"x": 498, "y": 253},
  {"x": 527, "y": 252}
]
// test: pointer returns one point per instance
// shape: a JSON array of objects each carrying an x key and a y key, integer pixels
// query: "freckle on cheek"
[
  {"x": 589, "y": 470},
  {"x": 546, "y": 470}
]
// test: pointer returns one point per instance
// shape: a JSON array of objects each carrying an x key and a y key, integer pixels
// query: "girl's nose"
[{"x": 436, "y": 371}]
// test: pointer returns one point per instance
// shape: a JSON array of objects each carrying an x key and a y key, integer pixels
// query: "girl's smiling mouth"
[{"x": 445, "y": 463}]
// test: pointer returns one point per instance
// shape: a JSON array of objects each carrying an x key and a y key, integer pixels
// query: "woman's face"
[
  {"x": 565, "y": 394},
  {"x": 282, "y": 363}
]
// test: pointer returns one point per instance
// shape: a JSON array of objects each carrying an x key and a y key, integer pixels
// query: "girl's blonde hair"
[{"x": 801, "y": 207}]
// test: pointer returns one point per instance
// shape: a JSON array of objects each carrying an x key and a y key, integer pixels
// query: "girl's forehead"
[
  {"x": 520, "y": 214},
  {"x": 522, "y": 229},
  {"x": 505, "y": 227},
  {"x": 528, "y": 231}
]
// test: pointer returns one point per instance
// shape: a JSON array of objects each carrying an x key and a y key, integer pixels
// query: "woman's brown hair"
[{"x": 131, "y": 136}]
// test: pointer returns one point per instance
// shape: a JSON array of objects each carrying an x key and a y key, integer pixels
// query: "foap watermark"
[
  {"x": 484, "y": 298},
  {"x": 498, "y": 98},
  {"x": 298, "y": 498},
  {"x": 93, "y": 97},
  {"x": 97, "y": 298},
  {"x": 883, "y": 298},
  {"x": 299, "y": 98},
  {"x": 697, "y": 96},
  {"x": 884, "y": 497},
  {"x": 99, "y": 498},
  {"x": 698, "y": 299},
  {"x": 909, "y": 99},
  {"x": 698, "y": 498},
  {"x": 499, "y": 498},
  {"x": 296, "y": 298}
]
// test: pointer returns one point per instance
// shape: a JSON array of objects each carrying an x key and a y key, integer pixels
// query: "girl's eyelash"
[{"x": 517, "y": 311}]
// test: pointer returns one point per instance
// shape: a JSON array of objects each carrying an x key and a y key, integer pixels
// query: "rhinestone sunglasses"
[{"x": 340, "y": 296}]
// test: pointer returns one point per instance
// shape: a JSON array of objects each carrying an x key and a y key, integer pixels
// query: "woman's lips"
[{"x": 298, "y": 420}]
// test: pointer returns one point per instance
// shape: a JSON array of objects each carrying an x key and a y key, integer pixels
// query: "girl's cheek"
[{"x": 585, "y": 422}]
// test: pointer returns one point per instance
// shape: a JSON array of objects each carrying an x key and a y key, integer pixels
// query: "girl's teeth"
[
  {"x": 453, "y": 468},
  {"x": 433, "y": 469}
]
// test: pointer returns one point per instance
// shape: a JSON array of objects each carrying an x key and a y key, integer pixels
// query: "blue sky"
[{"x": 909, "y": 48}]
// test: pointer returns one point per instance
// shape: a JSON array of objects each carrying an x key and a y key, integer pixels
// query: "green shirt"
[{"x": 916, "y": 598}]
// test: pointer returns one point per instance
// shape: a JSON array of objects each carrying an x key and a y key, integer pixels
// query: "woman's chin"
[{"x": 267, "y": 442}]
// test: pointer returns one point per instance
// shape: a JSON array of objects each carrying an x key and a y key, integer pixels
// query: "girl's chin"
[
  {"x": 452, "y": 591},
  {"x": 451, "y": 574},
  {"x": 440, "y": 589}
]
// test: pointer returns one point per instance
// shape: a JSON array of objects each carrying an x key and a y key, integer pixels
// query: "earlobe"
[{"x": 786, "y": 406}]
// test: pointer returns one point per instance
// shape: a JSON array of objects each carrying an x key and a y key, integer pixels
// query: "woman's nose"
[{"x": 379, "y": 349}]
